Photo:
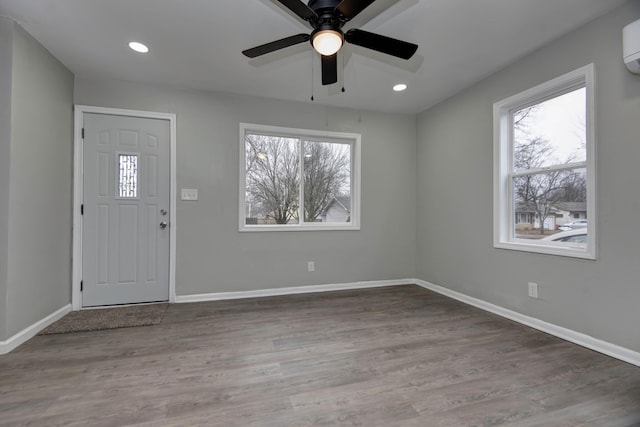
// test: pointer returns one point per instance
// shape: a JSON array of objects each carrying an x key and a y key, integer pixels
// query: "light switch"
[{"x": 189, "y": 194}]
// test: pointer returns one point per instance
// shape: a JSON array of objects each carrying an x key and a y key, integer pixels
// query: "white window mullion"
[
  {"x": 555, "y": 168},
  {"x": 301, "y": 180}
]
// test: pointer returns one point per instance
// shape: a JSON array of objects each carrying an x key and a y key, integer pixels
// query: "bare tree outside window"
[
  {"x": 547, "y": 162},
  {"x": 278, "y": 169},
  {"x": 272, "y": 178},
  {"x": 327, "y": 173}
]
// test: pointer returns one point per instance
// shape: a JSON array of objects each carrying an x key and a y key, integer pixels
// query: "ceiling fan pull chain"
[
  {"x": 312, "y": 56},
  {"x": 342, "y": 63}
]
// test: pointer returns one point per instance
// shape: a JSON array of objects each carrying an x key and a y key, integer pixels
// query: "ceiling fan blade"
[
  {"x": 329, "y": 69},
  {"x": 276, "y": 45},
  {"x": 350, "y": 8},
  {"x": 300, "y": 9},
  {"x": 384, "y": 44}
]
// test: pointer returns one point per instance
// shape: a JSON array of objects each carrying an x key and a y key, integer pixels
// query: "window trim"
[
  {"x": 503, "y": 216},
  {"x": 328, "y": 136}
]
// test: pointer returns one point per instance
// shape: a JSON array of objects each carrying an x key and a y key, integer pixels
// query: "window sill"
[
  {"x": 292, "y": 227},
  {"x": 571, "y": 251}
]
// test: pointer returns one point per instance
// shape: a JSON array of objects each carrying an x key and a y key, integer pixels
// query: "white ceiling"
[{"x": 197, "y": 44}]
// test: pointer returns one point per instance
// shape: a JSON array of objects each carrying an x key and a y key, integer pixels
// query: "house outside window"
[
  {"x": 544, "y": 174},
  {"x": 296, "y": 179}
]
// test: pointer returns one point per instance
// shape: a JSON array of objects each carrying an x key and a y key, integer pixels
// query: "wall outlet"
[
  {"x": 311, "y": 266},
  {"x": 533, "y": 290}
]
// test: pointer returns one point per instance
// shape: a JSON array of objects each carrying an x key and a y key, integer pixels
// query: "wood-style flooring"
[{"x": 395, "y": 356}]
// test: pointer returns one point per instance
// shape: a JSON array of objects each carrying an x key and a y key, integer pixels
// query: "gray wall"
[
  {"x": 212, "y": 256},
  {"x": 39, "y": 235},
  {"x": 455, "y": 194},
  {"x": 6, "y": 49}
]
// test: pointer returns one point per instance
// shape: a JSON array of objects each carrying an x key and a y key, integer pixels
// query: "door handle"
[{"x": 163, "y": 225}]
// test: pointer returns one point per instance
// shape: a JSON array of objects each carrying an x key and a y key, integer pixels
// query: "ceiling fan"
[{"x": 327, "y": 17}]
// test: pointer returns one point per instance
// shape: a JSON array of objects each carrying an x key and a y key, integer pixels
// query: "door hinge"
[
  {"x": 81, "y": 286},
  {"x": 82, "y": 209},
  {"x": 82, "y": 133}
]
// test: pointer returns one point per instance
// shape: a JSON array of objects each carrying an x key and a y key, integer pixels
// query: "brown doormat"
[{"x": 108, "y": 318}]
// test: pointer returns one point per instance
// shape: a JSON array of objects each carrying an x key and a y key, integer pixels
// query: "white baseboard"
[
  {"x": 575, "y": 337},
  {"x": 291, "y": 290},
  {"x": 31, "y": 331}
]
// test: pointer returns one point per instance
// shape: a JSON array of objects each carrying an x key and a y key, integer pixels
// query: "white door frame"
[{"x": 79, "y": 110}]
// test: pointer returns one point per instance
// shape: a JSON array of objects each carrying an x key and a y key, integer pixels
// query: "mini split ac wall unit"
[{"x": 631, "y": 46}]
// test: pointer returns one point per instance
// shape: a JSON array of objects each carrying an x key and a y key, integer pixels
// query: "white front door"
[{"x": 125, "y": 220}]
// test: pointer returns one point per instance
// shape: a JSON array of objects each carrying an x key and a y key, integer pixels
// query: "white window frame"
[
  {"x": 354, "y": 140},
  {"x": 503, "y": 212}
]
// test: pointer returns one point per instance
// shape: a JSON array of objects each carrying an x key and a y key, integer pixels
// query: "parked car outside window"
[
  {"x": 581, "y": 223},
  {"x": 572, "y": 236}
]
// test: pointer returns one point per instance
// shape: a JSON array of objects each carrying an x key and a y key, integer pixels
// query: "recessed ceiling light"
[
  {"x": 138, "y": 47},
  {"x": 400, "y": 87}
]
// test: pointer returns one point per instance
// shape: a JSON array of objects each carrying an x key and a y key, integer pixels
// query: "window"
[
  {"x": 544, "y": 172},
  {"x": 127, "y": 176},
  {"x": 293, "y": 179}
]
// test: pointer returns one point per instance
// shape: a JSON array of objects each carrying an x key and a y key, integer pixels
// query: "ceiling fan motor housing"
[
  {"x": 320, "y": 5},
  {"x": 328, "y": 18}
]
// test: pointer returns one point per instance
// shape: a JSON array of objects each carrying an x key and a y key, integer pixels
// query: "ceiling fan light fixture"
[{"x": 327, "y": 42}]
